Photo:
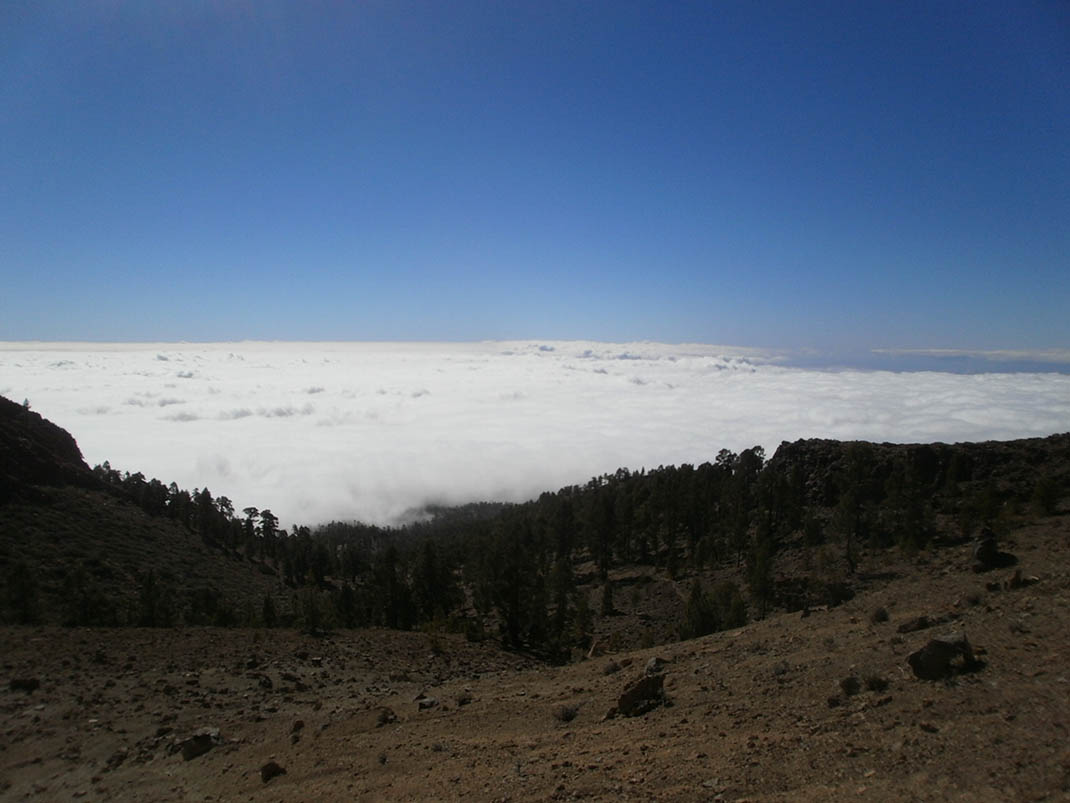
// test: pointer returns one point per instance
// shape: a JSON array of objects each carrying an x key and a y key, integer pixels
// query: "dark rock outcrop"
[{"x": 34, "y": 451}]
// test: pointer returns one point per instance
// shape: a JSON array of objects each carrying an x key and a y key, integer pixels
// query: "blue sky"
[{"x": 814, "y": 175}]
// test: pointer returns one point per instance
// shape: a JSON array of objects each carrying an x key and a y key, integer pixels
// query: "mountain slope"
[{"x": 73, "y": 551}]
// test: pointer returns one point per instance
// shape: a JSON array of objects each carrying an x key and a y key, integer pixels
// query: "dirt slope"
[{"x": 749, "y": 713}]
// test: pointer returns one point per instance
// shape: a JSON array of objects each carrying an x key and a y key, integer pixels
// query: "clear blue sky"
[{"x": 826, "y": 175}]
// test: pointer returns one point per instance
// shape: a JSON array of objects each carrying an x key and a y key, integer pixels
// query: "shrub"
[
  {"x": 566, "y": 712},
  {"x": 876, "y": 683},
  {"x": 850, "y": 685}
]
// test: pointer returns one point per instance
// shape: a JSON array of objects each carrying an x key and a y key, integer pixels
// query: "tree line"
[{"x": 509, "y": 571}]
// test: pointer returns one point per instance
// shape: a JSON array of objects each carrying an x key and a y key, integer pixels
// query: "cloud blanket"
[{"x": 375, "y": 431}]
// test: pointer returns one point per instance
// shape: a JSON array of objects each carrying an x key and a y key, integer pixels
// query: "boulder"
[
  {"x": 642, "y": 695},
  {"x": 986, "y": 553},
  {"x": 271, "y": 770},
  {"x": 938, "y": 658}
]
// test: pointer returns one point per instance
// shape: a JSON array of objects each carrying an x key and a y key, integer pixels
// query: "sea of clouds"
[{"x": 376, "y": 431}]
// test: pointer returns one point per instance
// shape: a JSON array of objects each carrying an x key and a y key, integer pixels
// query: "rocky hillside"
[
  {"x": 74, "y": 551},
  {"x": 34, "y": 451},
  {"x": 817, "y": 706}
]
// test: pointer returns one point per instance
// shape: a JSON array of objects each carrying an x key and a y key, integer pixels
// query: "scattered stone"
[
  {"x": 936, "y": 659},
  {"x": 385, "y": 717},
  {"x": 928, "y": 727},
  {"x": 297, "y": 726},
  {"x": 199, "y": 743},
  {"x": 28, "y": 685},
  {"x": 611, "y": 668},
  {"x": 879, "y": 615},
  {"x": 271, "y": 770},
  {"x": 644, "y": 694}
]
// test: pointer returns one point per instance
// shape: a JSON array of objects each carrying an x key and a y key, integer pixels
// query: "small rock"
[
  {"x": 271, "y": 770},
  {"x": 655, "y": 665},
  {"x": 1017, "y": 580},
  {"x": 199, "y": 743},
  {"x": 611, "y": 668},
  {"x": 918, "y": 623},
  {"x": 116, "y": 758},
  {"x": 425, "y": 703}
]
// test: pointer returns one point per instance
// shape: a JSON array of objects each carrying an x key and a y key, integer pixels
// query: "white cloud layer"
[{"x": 373, "y": 431}]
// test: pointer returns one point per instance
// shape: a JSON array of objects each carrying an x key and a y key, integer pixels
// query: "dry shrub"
[{"x": 566, "y": 712}]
